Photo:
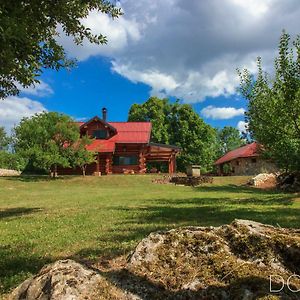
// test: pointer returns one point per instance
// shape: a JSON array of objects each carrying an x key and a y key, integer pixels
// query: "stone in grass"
[
  {"x": 64, "y": 280},
  {"x": 232, "y": 261}
]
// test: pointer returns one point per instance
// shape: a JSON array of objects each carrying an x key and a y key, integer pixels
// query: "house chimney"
[{"x": 104, "y": 114}]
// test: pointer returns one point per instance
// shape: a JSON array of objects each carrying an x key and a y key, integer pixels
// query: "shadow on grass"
[
  {"x": 281, "y": 200},
  {"x": 18, "y": 211},
  {"x": 201, "y": 212},
  {"x": 232, "y": 188},
  {"x": 16, "y": 265},
  {"x": 36, "y": 178}
]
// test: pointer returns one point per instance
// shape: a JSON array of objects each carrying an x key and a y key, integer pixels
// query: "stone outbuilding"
[{"x": 245, "y": 160}]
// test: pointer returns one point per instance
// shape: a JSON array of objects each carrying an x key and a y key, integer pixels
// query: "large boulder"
[
  {"x": 7, "y": 172},
  {"x": 229, "y": 262},
  {"x": 264, "y": 180},
  {"x": 65, "y": 280}
]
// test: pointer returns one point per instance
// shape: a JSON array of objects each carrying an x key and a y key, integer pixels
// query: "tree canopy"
[
  {"x": 28, "y": 37},
  {"x": 45, "y": 140},
  {"x": 274, "y": 104},
  {"x": 178, "y": 124},
  {"x": 229, "y": 138}
]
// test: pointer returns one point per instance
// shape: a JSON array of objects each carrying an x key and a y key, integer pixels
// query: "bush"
[{"x": 11, "y": 161}]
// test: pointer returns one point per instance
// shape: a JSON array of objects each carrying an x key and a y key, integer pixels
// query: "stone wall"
[{"x": 252, "y": 166}]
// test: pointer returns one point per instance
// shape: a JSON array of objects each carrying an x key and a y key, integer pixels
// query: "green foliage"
[
  {"x": 79, "y": 156},
  {"x": 229, "y": 138},
  {"x": 4, "y": 139},
  {"x": 28, "y": 37},
  {"x": 11, "y": 161},
  {"x": 157, "y": 111},
  {"x": 274, "y": 105},
  {"x": 178, "y": 124},
  {"x": 45, "y": 138}
]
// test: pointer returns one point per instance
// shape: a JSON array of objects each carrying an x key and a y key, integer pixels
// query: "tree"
[
  {"x": 12, "y": 161},
  {"x": 44, "y": 140},
  {"x": 180, "y": 125},
  {"x": 28, "y": 37},
  {"x": 81, "y": 157},
  {"x": 274, "y": 105},
  {"x": 229, "y": 138},
  {"x": 4, "y": 139},
  {"x": 157, "y": 111}
]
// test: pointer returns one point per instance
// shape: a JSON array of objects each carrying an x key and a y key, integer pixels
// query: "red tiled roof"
[{"x": 249, "y": 150}]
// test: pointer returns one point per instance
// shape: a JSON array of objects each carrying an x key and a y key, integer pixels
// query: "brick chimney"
[{"x": 104, "y": 114}]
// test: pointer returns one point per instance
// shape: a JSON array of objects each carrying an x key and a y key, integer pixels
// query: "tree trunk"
[
  {"x": 55, "y": 171},
  {"x": 83, "y": 171}
]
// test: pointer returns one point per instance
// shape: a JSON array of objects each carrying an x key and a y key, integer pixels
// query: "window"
[
  {"x": 253, "y": 160},
  {"x": 125, "y": 160},
  {"x": 237, "y": 163},
  {"x": 100, "y": 134}
]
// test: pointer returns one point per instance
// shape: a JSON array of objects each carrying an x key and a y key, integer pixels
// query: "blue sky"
[
  {"x": 84, "y": 90},
  {"x": 173, "y": 48}
]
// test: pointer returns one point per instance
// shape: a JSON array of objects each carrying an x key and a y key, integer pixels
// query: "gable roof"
[
  {"x": 96, "y": 118},
  {"x": 125, "y": 132},
  {"x": 250, "y": 150}
]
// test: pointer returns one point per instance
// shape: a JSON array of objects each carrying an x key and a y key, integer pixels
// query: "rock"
[
  {"x": 263, "y": 180},
  {"x": 6, "y": 172},
  {"x": 232, "y": 261},
  {"x": 62, "y": 280}
]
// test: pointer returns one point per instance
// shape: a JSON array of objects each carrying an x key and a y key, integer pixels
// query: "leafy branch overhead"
[{"x": 28, "y": 37}]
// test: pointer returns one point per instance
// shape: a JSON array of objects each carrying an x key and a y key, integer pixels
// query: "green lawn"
[{"x": 42, "y": 220}]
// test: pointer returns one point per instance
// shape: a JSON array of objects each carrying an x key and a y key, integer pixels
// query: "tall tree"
[
  {"x": 274, "y": 105},
  {"x": 180, "y": 125},
  {"x": 155, "y": 110},
  {"x": 229, "y": 138},
  {"x": 44, "y": 140},
  {"x": 28, "y": 37},
  {"x": 4, "y": 139}
]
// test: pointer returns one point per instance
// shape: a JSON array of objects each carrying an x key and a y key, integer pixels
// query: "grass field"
[{"x": 42, "y": 220}]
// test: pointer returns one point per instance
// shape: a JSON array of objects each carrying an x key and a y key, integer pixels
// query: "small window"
[
  {"x": 125, "y": 160},
  {"x": 100, "y": 134},
  {"x": 237, "y": 163},
  {"x": 253, "y": 160}
]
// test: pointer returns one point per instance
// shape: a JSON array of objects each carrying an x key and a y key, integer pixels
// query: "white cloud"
[
  {"x": 13, "y": 109},
  {"x": 119, "y": 32},
  {"x": 40, "y": 89},
  {"x": 242, "y": 126},
  {"x": 221, "y": 113},
  {"x": 190, "y": 49}
]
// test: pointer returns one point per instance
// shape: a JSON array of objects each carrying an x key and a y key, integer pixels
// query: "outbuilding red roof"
[{"x": 249, "y": 150}]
